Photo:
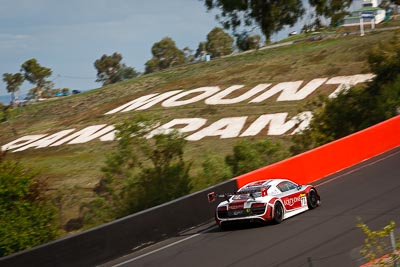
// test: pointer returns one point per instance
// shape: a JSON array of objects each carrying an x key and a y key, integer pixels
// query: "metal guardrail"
[{"x": 120, "y": 237}]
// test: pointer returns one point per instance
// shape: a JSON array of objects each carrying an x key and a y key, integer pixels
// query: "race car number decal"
[{"x": 303, "y": 200}]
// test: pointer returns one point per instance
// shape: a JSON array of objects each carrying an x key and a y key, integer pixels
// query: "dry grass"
[{"x": 76, "y": 168}]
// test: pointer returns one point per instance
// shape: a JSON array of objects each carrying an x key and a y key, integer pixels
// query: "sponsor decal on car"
[
  {"x": 236, "y": 206},
  {"x": 293, "y": 200}
]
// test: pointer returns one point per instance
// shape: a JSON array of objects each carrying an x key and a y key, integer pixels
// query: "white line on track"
[{"x": 165, "y": 247}]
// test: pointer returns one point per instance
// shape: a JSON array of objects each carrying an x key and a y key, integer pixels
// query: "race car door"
[{"x": 291, "y": 196}]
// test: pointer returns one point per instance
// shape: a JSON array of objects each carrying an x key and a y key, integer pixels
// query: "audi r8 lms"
[{"x": 272, "y": 200}]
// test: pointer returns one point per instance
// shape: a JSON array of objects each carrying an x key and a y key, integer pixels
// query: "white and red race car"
[{"x": 265, "y": 201}]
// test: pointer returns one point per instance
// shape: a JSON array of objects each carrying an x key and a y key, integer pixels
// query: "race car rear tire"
[
  {"x": 312, "y": 199},
  {"x": 278, "y": 213}
]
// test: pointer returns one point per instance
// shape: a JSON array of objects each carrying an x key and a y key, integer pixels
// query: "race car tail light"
[
  {"x": 264, "y": 192},
  {"x": 222, "y": 212}
]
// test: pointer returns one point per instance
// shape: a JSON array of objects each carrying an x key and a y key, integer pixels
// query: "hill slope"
[{"x": 75, "y": 169}]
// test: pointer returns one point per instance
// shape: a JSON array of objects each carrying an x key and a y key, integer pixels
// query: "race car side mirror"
[
  {"x": 299, "y": 187},
  {"x": 211, "y": 197}
]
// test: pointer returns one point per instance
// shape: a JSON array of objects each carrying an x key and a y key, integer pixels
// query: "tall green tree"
[
  {"x": 336, "y": 10},
  {"x": 270, "y": 16},
  {"x": 165, "y": 55},
  {"x": 201, "y": 51},
  {"x": 14, "y": 82},
  {"x": 37, "y": 75},
  {"x": 219, "y": 43},
  {"x": 361, "y": 106},
  {"x": 248, "y": 156},
  {"x": 141, "y": 173},
  {"x": 214, "y": 170},
  {"x": 27, "y": 217},
  {"x": 245, "y": 42},
  {"x": 110, "y": 69}
]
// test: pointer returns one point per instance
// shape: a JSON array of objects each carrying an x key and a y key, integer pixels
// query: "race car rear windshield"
[{"x": 245, "y": 192}]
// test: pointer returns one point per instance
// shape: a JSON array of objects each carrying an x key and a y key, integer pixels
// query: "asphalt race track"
[{"x": 326, "y": 236}]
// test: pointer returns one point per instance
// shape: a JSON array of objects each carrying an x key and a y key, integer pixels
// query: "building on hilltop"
[{"x": 370, "y": 13}]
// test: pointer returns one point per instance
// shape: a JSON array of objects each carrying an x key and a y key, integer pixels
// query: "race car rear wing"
[{"x": 213, "y": 196}]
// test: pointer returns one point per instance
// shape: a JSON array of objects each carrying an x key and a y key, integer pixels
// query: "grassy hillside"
[{"x": 73, "y": 170}]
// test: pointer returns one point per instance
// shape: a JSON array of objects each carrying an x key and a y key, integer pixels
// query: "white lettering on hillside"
[
  {"x": 205, "y": 92},
  {"x": 192, "y": 124},
  {"x": 218, "y": 99},
  {"x": 109, "y": 136},
  {"x": 22, "y": 141},
  {"x": 345, "y": 82},
  {"x": 277, "y": 124},
  {"x": 224, "y": 128},
  {"x": 303, "y": 119},
  {"x": 46, "y": 141},
  {"x": 289, "y": 91},
  {"x": 143, "y": 102},
  {"x": 85, "y": 135}
]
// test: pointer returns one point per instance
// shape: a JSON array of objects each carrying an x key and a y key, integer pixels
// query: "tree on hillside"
[
  {"x": 245, "y": 42},
  {"x": 142, "y": 172},
  {"x": 361, "y": 106},
  {"x": 248, "y": 156},
  {"x": 333, "y": 9},
  {"x": 214, "y": 170},
  {"x": 219, "y": 43},
  {"x": 111, "y": 70},
  {"x": 165, "y": 55},
  {"x": 201, "y": 51},
  {"x": 14, "y": 82},
  {"x": 27, "y": 217},
  {"x": 269, "y": 16},
  {"x": 37, "y": 75}
]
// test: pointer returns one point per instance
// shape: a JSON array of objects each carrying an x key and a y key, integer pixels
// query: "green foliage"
[
  {"x": 110, "y": 69},
  {"x": 384, "y": 60},
  {"x": 123, "y": 74},
  {"x": 269, "y": 16},
  {"x": 361, "y": 106},
  {"x": 27, "y": 218},
  {"x": 154, "y": 186},
  {"x": 4, "y": 112},
  {"x": 165, "y": 55},
  {"x": 219, "y": 43},
  {"x": 97, "y": 211},
  {"x": 245, "y": 42},
  {"x": 188, "y": 52},
  {"x": 376, "y": 243},
  {"x": 248, "y": 156},
  {"x": 143, "y": 172},
  {"x": 37, "y": 75},
  {"x": 214, "y": 170},
  {"x": 14, "y": 82},
  {"x": 201, "y": 50},
  {"x": 334, "y": 9}
]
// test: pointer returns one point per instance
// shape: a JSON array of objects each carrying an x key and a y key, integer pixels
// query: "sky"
[{"x": 69, "y": 36}]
